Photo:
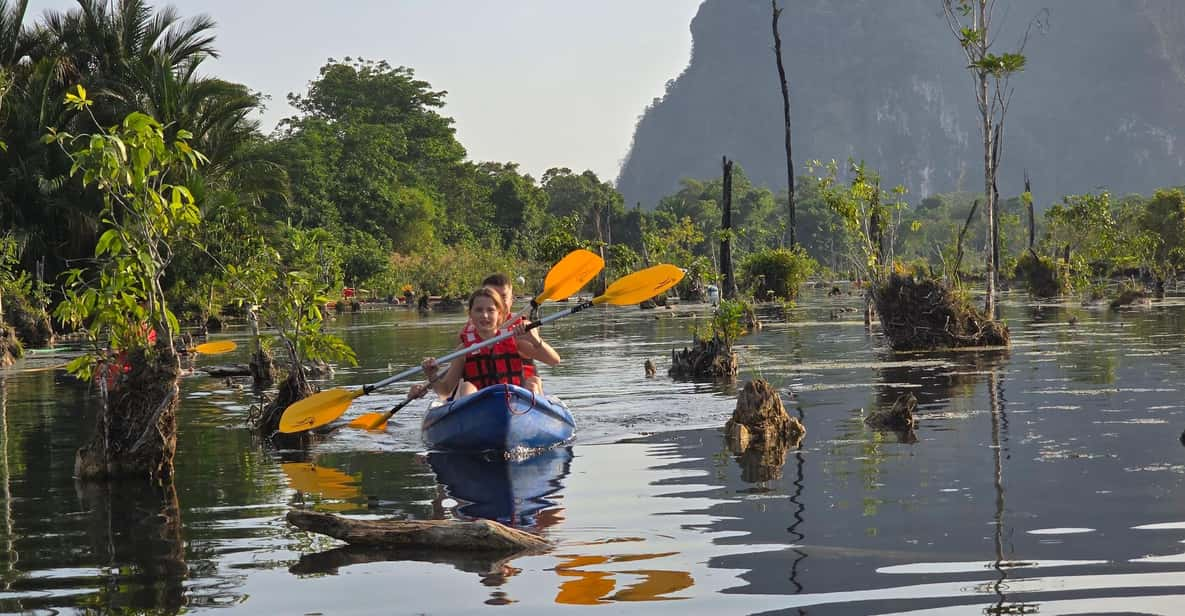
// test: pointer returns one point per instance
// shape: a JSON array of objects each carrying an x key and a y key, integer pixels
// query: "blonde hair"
[{"x": 493, "y": 295}]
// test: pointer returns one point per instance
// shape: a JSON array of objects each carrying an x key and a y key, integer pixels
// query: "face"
[
  {"x": 507, "y": 293},
  {"x": 484, "y": 314}
]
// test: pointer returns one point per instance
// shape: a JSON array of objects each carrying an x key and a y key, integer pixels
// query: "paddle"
[
  {"x": 565, "y": 278},
  {"x": 322, "y": 408},
  {"x": 216, "y": 347},
  {"x": 378, "y": 421},
  {"x": 568, "y": 276}
]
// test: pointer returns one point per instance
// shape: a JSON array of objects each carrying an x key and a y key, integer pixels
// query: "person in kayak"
[
  {"x": 500, "y": 363},
  {"x": 502, "y": 284}
]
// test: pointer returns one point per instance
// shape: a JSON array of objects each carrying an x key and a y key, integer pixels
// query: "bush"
[
  {"x": 453, "y": 271},
  {"x": 776, "y": 272},
  {"x": 1041, "y": 276}
]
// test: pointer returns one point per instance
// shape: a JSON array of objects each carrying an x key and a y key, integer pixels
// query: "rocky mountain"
[{"x": 1100, "y": 104}]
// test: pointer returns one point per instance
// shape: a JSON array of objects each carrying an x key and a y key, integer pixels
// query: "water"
[{"x": 1045, "y": 478}]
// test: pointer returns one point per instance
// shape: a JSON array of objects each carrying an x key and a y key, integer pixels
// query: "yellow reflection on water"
[
  {"x": 591, "y": 587},
  {"x": 324, "y": 482}
]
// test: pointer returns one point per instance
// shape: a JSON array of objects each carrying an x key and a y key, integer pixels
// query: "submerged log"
[
  {"x": 227, "y": 370},
  {"x": 475, "y": 536},
  {"x": 262, "y": 368},
  {"x": 926, "y": 314},
  {"x": 706, "y": 359}
]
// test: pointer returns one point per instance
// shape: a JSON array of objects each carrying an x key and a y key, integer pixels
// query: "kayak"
[
  {"x": 498, "y": 418},
  {"x": 518, "y": 492}
]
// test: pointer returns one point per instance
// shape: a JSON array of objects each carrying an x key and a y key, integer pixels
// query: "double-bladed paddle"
[
  {"x": 566, "y": 277},
  {"x": 324, "y": 407}
]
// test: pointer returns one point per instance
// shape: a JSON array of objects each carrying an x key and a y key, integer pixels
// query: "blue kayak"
[{"x": 498, "y": 418}]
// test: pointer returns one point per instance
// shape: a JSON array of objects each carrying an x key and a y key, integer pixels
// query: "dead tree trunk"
[
  {"x": 730, "y": 284},
  {"x": 791, "y": 225},
  {"x": 1032, "y": 215},
  {"x": 962, "y": 235}
]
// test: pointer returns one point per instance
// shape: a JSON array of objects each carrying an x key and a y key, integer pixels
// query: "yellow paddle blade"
[
  {"x": 366, "y": 421},
  {"x": 641, "y": 285},
  {"x": 216, "y": 347},
  {"x": 570, "y": 275},
  {"x": 317, "y": 410}
]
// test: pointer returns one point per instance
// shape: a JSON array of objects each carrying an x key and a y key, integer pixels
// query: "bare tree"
[
  {"x": 791, "y": 225},
  {"x": 971, "y": 22}
]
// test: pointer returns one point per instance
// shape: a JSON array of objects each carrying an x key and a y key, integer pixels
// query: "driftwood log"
[
  {"x": 475, "y": 536},
  {"x": 227, "y": 370}
]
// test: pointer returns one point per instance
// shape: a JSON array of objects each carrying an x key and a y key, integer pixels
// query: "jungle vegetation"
[{"x": 371, "y": 164}]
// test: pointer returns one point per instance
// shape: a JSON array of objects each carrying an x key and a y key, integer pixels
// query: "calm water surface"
[{"x": 1044, "y": 479}]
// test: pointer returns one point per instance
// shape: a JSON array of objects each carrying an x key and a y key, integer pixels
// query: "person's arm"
[
  {"x": 532, "y": 346},
  {"x": 445, "y": 385}
]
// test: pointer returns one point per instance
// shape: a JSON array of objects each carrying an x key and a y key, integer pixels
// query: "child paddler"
[{"x": 499, "y": 363}]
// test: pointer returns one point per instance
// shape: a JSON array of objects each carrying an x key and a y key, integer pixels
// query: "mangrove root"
[{"x": 475, "y": 536}]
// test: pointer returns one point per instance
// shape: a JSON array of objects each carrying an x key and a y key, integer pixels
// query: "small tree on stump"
[
  {"x": 120, "y": 301},
  {"x": 284, "y": 286},
  {"x": 915, "y": 314}
]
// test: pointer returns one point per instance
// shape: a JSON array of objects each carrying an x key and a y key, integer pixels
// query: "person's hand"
[
  {"x": 417, "y": 390},
  {"x": 430, "y": 367},
  {"x": 520, "y": 329}
]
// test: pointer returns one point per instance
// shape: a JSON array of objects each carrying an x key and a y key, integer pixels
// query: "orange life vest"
[{"x": 469, "y": 336}]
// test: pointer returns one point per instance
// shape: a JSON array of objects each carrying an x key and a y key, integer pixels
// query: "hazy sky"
[{"x": 544, "y": 83}]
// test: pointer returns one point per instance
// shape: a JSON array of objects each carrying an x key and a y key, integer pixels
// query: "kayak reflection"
[{"x": 520, "y": 493}]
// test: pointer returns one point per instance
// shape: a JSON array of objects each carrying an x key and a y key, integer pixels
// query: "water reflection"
[
  {"x": 517, "y": 492},
  {"x": 586, "y": 585},
  {"x": 135, "y": 532}
]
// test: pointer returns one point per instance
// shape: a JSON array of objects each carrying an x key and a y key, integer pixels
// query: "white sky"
[{"x": 545, "y": 83}]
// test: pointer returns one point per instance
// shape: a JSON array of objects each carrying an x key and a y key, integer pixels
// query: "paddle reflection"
[
  {"x": 323, "y": 488},
  {"x": 519, "y": 493},
  {"x": 597, "y": 587}
]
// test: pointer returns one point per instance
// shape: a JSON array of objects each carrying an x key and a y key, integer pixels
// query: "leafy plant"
[
  {"x": 121, "y": 297},
  {"x": 777, "y": 273}
]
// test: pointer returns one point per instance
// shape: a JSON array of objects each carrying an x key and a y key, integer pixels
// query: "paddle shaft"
[{"x": 366, "y": 389}]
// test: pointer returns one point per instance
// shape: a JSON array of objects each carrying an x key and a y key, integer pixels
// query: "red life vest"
[
  {"x": 469, "y": 336},
  {"x": 499, "y": 363}
]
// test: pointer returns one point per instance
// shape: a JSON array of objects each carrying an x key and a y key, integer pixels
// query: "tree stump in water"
[
  {"x": 31, "y": 324},
  {"x": 262, "y": 368},
  {"x": 706, "y": 359},
  {"x": 475, "y": 536},
  {"x": 1131, "y": 295},
  {"x": 136, "y": 428},
  {"x": 761, "y": 432},
  {"x": 899, "y": 418},
  {"x": 925, "y": 314},
  {"x": 267, "y": 422},
  {"x": 10, "y": 347}
]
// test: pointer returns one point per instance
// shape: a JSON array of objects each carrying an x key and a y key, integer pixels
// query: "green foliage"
[
  {"x": 1083, "y": 233},
  {"x": 452, "y": 272},
  {"x": 777, "y": 273},
  {"x": 869, "y": 216},
  {"x": 727, "y": 323},
  {"x": 122, "y": 295},
  {"x": 287, "y": 284}
]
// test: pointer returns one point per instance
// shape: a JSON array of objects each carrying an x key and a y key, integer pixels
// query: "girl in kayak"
[
  {"x": 501, "y": 284},
  {"x": 499, "y": 363}
]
